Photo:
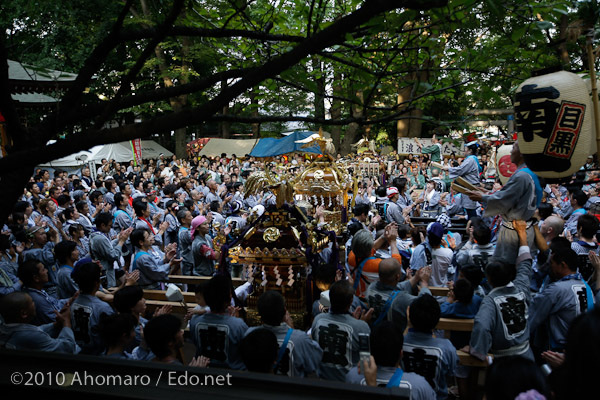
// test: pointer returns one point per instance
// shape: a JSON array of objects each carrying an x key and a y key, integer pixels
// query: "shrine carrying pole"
[{"x": 592, "y": 68}]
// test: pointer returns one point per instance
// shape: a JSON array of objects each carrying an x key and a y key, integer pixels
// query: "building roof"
[{"x": 23, "y": 78}]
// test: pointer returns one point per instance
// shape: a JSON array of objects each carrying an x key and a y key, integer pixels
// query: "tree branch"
[
  {"x": 290, "y": 118},
  {"x": 323, "y": 94},
  {"x": 334, "y": 33},
  {"x": 346, "y": 62},
  {"x": 125, "y": 84},
  {"x": 94, "y": 137},
  {"x": 69, "y": 105},
  {"x": 237, "y": 11},
  {"x": 310, "y": 13},
  {"x": 167, "y": 92},
  {"x": 138, "y": 34}
]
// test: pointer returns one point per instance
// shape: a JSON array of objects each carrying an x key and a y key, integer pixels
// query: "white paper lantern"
[
  {"x": 504, "y": 167},
  {"x": 553, "y": 116}
]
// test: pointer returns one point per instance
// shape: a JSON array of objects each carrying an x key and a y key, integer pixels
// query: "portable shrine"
[{"x": 326, "y": 183}]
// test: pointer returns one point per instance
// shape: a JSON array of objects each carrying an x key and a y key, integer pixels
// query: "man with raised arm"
[{"x": 517, "y": 200}]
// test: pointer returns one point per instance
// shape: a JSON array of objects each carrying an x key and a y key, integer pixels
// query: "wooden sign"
[{"x": 408, "y": 146}]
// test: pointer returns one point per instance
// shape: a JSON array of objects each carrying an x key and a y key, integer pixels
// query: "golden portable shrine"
[
  {"x": 325, "y": 184},
  {"x": 273, "y": 259},
  {"x": 280, "y": 249}
]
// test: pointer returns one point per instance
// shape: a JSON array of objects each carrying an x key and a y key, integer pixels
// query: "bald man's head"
[
  {"x": 195, "y": 195},
  {"x": 552, "y": 227},
  {"x": 17, "y": 307},
  {"x": 390, "y": 271}
]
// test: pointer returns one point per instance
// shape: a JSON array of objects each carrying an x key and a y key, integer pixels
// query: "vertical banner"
[
  {"x": 93, "y": 170},
  {"x": 136, "y": 148}
]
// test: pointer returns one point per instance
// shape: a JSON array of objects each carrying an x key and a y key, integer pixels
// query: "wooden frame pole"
[{"x": 592, "y": 68}]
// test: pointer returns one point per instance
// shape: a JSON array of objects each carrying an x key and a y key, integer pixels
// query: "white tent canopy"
[
  {"x": 120, "y": 152},
  {"x": 239, "y": 147}
]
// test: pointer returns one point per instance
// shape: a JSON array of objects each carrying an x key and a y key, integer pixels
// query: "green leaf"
[
  {"x": 425, "y": 86},
  {"x": 543, "y": 25},
  {"x": 494, "y": 8},
  {"x": 518, "y": 33},
  {"x": 560, "y": 11}
]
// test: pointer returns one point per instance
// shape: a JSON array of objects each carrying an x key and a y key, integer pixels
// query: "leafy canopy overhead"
[{"x": 269, "y": 60}]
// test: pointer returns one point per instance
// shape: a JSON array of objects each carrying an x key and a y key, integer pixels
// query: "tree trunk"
[
  {"x": 351, "y": 136},
  {"x": 563, "y": 53},
  {"x": 336, "y": 112},
  {"x": 181, "y": 143},
  {"x": 179, "y": 102},
  {"x": 353, "y": 131},
  {"x": 319, "y": 98},
  {"x": 408, "y": 127},
  {"x": 255, "y": 112},
  {"x": 181, "y": 133},
  {"x": 225, "y": 126},
  {"x": 411, "y": 127},
  {"x": 403, "y": 125}
]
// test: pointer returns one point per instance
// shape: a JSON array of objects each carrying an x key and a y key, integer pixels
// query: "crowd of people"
[{"x": 80, "y": 248}]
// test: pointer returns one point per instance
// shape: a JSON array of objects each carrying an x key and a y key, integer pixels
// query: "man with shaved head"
[
  {"x": 212, "y": 194},
  {"x": 17, "y": 332},
  {"x": 552, "y": 227},
  {"x": 381, "y": 294},
  {"x": 197, "y": 198}
]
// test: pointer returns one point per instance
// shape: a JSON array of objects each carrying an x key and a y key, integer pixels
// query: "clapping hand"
[
  {"x": 163, "y": 310},
  {"x": 569, "y": 236},
  {"x": 424, "y": 275},
  {"x": 170, "y": 250},
  {"x": 359, "y": 313},
  {"x": 200, "y": 362},
  {"x": 124, "y": 234},
  {"x": 553, "y": 358},
  {"x": 391, "y": 232},
  {"x": 375, "y": 220},
  {"x": 132, "y": 278},
  {"x": 234, "y": 311},
  {"x": 451, "y": 241},
  {"x": 164, "y": 226},
  {"x": 288, "y": 319}
]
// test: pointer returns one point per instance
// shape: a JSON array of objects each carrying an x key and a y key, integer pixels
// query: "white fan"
[{"x": 175, "y": 294}]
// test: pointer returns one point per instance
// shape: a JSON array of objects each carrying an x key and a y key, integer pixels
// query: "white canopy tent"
[
  {"x": 239, "y": 147},
  {"x": 120, "y": 152}
]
